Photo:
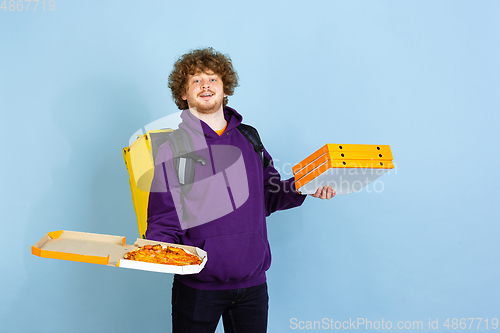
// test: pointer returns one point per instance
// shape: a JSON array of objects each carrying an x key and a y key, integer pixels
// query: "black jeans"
[{"x": 199, "y": 311}]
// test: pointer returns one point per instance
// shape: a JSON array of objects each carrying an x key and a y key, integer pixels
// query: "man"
[{"x": 225, "y": 210}]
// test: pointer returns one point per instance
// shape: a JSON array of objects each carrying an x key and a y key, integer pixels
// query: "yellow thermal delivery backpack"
[{"x": 139, "y": 159}]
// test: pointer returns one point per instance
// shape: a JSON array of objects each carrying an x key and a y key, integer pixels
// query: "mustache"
[{"x": 206, "y": 91}]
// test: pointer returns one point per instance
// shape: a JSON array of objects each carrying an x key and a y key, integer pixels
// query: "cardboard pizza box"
[
  {"x": 345, "y": 167},
  {"x": 107, "y": 250}
]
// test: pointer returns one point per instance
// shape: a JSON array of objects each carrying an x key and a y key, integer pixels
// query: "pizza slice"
[{"x": 169, "y": 255}]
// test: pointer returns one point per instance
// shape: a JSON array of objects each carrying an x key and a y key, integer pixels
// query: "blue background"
[{"x": 421, "y": 76}]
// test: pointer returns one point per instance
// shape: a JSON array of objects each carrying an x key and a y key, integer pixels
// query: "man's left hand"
[{"x": 325, "y": 192}]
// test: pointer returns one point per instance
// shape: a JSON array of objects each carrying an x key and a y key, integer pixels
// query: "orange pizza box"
[
  {"x": 107, "y": 250},
  {"x": 345, "y": 167}
]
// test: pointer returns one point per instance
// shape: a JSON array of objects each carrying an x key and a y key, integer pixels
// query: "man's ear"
[{"x": 184, "y": 97}]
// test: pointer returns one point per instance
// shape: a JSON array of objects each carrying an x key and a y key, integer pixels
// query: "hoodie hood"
[{"x": 197, "y": 126}]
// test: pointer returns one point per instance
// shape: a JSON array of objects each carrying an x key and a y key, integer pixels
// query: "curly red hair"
[{"x": 201, "y": 60}]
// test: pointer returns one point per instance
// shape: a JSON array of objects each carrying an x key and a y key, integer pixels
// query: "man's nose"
[{"x": 205, "y": 85}]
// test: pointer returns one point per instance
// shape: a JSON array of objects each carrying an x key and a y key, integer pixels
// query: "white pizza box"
[
  {"x": 343, "y": 180},
  {"x": 107, "y": 250}
]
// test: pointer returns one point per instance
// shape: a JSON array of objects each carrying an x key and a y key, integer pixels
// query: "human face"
[{"x": 205, "y": 92}]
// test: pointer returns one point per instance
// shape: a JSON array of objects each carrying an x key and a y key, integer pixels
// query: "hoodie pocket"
[{"x": 235, "y": 257}]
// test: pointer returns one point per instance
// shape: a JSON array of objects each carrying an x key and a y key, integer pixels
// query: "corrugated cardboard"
[
  {"x": 345, "y": 167},
  {"x": 107, "y": 250}
]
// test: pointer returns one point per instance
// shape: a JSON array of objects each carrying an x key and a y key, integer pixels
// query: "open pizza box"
[
  {"x": 345, "y": 167},
  {"x": 107, "y": 250}
]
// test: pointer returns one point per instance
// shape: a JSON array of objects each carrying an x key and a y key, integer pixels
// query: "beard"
[{"x": 208, "y": 108}]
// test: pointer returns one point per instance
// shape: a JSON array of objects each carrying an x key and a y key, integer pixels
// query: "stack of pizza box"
[{"x": 345, "y": 167}]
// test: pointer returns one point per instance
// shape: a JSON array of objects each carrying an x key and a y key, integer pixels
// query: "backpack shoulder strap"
[
  {"x": 251, "y": 134},
  {"x": 184, "y": 158}
]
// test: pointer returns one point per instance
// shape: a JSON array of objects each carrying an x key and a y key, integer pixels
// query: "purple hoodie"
[{"x": 225, "y": 211}]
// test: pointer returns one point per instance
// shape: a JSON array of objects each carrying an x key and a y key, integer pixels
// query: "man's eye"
[{"x": 213, "y": 80}]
